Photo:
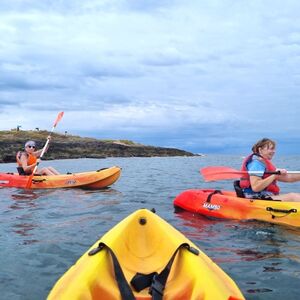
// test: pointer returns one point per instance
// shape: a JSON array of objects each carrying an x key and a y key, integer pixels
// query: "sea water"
[{"x": 44, "y": 232}]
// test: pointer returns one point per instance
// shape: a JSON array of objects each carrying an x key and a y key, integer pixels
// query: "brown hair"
[{"x": 262, "y": 143}]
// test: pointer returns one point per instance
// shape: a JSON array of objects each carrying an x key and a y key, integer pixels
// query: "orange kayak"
[
  {"x": 91, "y": 180},
  {"x": 225, "y": 204}
]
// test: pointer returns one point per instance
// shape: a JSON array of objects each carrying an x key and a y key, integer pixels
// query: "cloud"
[{"x": 195, "y": 74}]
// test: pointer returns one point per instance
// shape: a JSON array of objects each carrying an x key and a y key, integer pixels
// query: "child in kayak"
[
  {"x": 28, "y": 159},
  {"x": 265, "y": 186}
]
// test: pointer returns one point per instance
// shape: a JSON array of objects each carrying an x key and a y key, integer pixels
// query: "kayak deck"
[{"x": 142, "y": 244}]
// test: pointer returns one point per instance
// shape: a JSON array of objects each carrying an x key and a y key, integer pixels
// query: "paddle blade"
[
  {"x": 29, "y": 182},
  {"x": 220, "y": 173},
  {"x": 58, "y": 118}
]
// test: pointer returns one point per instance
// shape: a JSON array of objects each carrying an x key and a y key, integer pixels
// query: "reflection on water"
[
  {"x": 196, "y": 226},
  {"x": 26, "y": 202},
  {"x": 23, "y": 204},
  {"x": 262, "y": 290},
  {"x": 27, "y": 194},
  {"x": 201, "y": 229},
  {"x": 273, "y": 268},
  {"x": 63, "y": 209},
  {"x": 251, "y": 254},
  {"x": 24, "y": 224},
  {"x": 24, "y": 228},
  {"x": 107, "y": 190}
]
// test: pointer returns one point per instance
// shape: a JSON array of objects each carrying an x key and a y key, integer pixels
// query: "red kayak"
[{"x": 226, "y": 205}]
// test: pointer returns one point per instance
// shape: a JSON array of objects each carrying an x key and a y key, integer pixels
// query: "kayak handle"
[{"x": 284, "y": 211}]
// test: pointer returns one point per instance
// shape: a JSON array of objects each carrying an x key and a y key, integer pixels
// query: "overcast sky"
[{"x": 203, "y": 76}]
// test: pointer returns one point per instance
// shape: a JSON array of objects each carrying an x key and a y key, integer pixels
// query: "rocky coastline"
[{"x": 65, "y": 146}]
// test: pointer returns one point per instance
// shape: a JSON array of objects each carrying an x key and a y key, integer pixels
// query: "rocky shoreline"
[{"x": 69, "y": 146}]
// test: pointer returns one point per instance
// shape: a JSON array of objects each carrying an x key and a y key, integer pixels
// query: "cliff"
[{"x": 70, "y": 146}]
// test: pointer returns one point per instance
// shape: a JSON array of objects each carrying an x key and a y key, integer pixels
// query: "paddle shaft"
[
  {"x": 254, "y": 172},
  {"x": 222, "y": 173},
  {"x": 270, "y": 172},
  {"x": 43, "y": 150}
]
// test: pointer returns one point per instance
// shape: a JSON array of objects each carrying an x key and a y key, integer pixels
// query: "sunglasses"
[{"x": 30, "y": 146}]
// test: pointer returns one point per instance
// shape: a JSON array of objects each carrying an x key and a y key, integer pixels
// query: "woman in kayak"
[
  {"x": 264, "y": 186},
  {"x": 28, "y": 159}
]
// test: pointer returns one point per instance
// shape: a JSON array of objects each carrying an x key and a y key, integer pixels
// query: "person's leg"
[
  {"x": 290, "y": 197},
  {"x": 44, "y": 171},
  {"x": 53, "y": 171}
]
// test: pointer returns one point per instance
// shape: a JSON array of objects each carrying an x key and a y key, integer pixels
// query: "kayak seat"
[
  {"x": 21, "y": 171},
  {"x": 238, "y": 190}
]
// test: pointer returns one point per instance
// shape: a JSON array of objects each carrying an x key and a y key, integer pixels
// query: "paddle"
[
  {"x": 223, "y": 173},
  {"x": 58, "y": 118}
]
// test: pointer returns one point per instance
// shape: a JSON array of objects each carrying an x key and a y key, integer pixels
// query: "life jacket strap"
[{"x": 159, "y": 280}]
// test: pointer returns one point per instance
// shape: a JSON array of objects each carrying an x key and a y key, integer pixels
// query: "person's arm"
[
  {"x": 284, "y": 177},
  {"x": 38, "y": 153},
  {"x": 27, "y": 168},
  {"x": 258, "y": 184}
]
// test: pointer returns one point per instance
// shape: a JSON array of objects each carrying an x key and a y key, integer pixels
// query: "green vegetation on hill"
[{"x": 64, "y": 146}]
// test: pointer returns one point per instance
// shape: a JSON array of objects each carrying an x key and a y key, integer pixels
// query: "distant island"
[{"x": 65, "y": 146}]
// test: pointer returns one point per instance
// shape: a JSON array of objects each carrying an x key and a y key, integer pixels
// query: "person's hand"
[{"x": 282, "y": 171}]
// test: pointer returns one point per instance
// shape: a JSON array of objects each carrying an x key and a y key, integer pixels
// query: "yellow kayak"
[{"x": 143, "y": 254}]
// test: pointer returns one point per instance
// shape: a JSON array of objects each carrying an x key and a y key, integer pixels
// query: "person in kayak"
[
  {"x": 28, "y": 159},
  {"x": 265, "y": 186}
]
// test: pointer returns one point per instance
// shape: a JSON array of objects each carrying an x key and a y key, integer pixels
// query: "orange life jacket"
[
  {"x": 245, "y": 180},
  {"x": 31, "y": 159}
]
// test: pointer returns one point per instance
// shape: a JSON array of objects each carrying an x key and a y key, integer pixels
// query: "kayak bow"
[{"x": 146, "y": 251}]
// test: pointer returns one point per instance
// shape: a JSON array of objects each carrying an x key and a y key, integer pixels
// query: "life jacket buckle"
[{"x": 156, "y": 286}]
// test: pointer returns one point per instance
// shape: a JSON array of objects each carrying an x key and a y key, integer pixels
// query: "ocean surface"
[{"x": 44, "y": 232}]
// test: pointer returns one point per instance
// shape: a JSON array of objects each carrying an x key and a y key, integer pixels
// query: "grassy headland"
[{"x": 70, "y": 146}]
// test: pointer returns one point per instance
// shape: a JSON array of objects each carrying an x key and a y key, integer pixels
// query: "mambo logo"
[
  {"x": 71, "y": 182},
  {"x": 211, "y": 206}
]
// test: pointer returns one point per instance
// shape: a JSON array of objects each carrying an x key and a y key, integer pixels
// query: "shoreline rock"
[{"x": 69, "y": 146}]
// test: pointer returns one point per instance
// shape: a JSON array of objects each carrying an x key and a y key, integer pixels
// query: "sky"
[{"x": 209, "y": 76}]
